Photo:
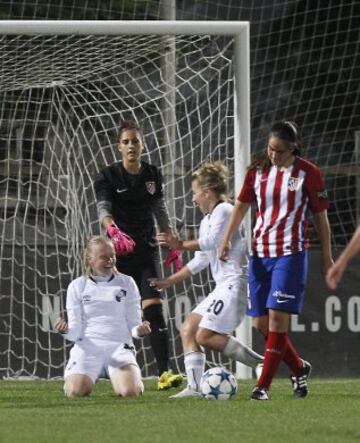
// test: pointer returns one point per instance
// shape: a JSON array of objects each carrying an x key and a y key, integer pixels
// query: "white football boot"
[{"x": 186, "y": 393}]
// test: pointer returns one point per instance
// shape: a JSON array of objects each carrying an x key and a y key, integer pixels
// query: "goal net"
[{"x": 62, "y": 98}]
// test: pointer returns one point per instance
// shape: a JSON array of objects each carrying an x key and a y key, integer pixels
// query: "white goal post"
[{"x": 237, "y": 31}]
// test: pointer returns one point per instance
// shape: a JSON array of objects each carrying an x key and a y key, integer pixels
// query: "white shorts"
[
  {"x": 94, "y": 360},
  {"x": 224, "y": 308}
]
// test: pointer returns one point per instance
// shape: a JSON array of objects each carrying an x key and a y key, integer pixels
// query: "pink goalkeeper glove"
[
  {"x": 123, "y": 244},
  {"x": 174, "y": 256}
]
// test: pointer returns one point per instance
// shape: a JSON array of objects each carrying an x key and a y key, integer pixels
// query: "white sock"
[
  {"x": 239, "y": 352},
  {"x": 194, "y": 367}
]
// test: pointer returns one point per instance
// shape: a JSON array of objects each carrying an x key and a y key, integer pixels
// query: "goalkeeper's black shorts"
[{"x": 141, "y": 267}]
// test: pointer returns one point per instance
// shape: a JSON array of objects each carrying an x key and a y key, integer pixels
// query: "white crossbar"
[{"x": 113, "y": 27}]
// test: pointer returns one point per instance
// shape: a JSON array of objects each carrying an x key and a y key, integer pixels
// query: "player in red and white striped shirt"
[
  {"x": 284, "y": 187},
  {"x": 283, "y": 197}
]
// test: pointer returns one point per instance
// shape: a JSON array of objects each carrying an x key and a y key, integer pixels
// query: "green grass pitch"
[{"x": 36, "y": 411}]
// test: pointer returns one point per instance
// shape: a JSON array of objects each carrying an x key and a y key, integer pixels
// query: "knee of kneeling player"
[
  {"x": 77, "y": 385},
  {"x": 133, "y": 390},
  {"x": 74, "y": 391}
]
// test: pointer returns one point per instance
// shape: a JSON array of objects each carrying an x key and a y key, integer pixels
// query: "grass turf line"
[{"x": 36, "y": 411}]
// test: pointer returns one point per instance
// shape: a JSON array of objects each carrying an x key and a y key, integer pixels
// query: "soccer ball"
[{"x": 218, "y": 384}]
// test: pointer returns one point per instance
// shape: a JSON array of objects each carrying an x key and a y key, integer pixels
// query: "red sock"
[
  {"x": 275, "y": 348},
  {"x": 291, "y": 357}
]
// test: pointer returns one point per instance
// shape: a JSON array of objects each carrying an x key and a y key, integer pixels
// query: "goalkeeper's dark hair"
[
  {"x": 128, "y": 125},
  {"x": 289, "y": 133},
  {"x": 214, "y": 176},
  {"x": 93, "y": 241}
]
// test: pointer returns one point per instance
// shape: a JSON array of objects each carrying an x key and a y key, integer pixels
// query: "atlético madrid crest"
[
  {"x": 294, "y": 183},
  {"x": 150, "y": 187}
]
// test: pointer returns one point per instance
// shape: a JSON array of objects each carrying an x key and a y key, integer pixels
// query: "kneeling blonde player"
[
  {"x": 211, "y": 323},
  {"x": 103, "y": 309}
]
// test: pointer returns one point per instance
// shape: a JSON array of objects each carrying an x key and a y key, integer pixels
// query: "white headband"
[{"x": 292, "y": 126}]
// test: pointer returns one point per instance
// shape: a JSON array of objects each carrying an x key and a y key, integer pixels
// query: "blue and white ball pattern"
[{"x": 218, "y": 384}]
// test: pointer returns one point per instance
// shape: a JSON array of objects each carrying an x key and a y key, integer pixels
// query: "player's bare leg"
[
  {"x": 127, "y": 381},
  {"x": 78, "y": 385},
  {"x": 229, "y": 346}
]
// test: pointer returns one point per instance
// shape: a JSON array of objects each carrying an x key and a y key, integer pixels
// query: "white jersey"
[
  {"x": 103, "y": 308},
  {"x": 211, "y": 233}
]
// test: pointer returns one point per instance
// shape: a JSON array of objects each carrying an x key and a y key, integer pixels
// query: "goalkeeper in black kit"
[{"x": 129, "y": 197}]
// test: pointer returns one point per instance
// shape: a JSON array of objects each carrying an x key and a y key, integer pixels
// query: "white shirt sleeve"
[
  {"x": 219, "y": 219},
  {"x": 133, "y": 308},
  {"x": 74, "y": 310},
  {"x": 198, "y": 263}
]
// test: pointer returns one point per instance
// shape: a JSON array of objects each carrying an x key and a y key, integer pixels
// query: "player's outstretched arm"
[
  {"x": 323, "y": 228},
  {"x": 335, "y": 272},
  {"x": 168, "y": 239},
  {"x": 164, "y": 283},
  {"x": 237, "y": 216},
  {"x": 172, "y": 241}
]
